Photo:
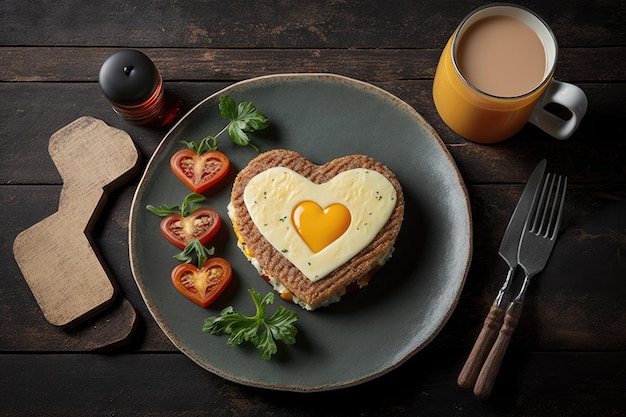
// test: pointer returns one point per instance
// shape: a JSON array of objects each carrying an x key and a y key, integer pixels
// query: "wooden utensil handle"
[
  {"x": 491, "y": 367},
  {"x": 482, "y": 346}
]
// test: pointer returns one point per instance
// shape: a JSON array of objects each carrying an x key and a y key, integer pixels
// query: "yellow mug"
[{"x": 496, "y": 74}]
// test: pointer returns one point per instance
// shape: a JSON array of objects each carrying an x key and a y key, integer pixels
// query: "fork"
[{"x": 538, "y": 238}]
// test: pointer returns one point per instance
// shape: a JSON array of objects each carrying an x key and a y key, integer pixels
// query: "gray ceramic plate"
[{"x": 371, "y": 331}]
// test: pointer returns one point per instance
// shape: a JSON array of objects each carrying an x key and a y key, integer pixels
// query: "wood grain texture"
[
  {"x": 172, "y": 385},
  {"x": 491, "y": 368},
  {"x": 484, "y": 341},
  {"x": 279, "y": 23},
  {"x": 56, "y": 257},
  {"x": 49, "y": 64}
]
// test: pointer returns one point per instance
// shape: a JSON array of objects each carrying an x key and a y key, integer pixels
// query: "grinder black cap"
[{"x": 128, "y": 77}]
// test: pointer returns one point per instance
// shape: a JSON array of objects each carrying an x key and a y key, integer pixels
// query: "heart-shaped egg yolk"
[{"x": 320, "y": 227}]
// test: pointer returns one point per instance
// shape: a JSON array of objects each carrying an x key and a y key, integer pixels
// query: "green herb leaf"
[
  {"x": 163, "y": 210},
  {"x": 190, "y": 203},
  {"x": 228, "y": 108},
  {"x": 253, "y": 120},
  {"x": 237, "y": 134},
  {"x": 266, "y": 344},
  {"x": 208, "y": 143},
  {"x": 281, "y": 324},
  {"x": 188, "y": 207},
  {"x": 241, "y": 328},
  {"x": 244, "y": 118},
  {"x": 201, "y": 252}
]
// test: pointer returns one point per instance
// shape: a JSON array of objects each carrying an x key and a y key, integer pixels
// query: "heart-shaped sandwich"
[{"x": 315, "y": 232}]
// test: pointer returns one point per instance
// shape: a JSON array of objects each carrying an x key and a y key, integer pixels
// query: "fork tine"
[
  {"x": 546, "y": 205},
  {"x": 538, "y": 208},
  {"x": 553, "y": 205},
  {"x": 543, "y": 213},
  {"x": 557, "y": 223},
  {"x": 551, "y": 228}
]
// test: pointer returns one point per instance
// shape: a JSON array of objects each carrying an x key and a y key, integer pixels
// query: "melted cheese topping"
[{"x": 273, "y": 197}]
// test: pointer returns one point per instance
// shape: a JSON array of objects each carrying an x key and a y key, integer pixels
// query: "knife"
[{"x": 508, "y": 252}]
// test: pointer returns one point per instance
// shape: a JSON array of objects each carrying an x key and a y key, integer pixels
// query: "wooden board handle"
[
  {"x": 491, "y": 367},
  {"x": 482, "y": 346},
  {"x": 57, "y": 257}
]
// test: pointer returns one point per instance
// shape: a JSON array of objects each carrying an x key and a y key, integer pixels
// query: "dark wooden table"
[{"x": 568, "y": 355}]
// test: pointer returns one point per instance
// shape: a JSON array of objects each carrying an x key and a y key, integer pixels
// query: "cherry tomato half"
[
  {"x": 202, "y": 224},
  {"x": 199, "y": 172},
  {"x": 204, "y": 285}
]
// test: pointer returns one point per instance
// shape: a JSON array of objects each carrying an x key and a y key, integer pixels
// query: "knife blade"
[{"x": 508, "y": 252}]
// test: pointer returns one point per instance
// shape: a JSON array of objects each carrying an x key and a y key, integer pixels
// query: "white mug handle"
[{"x": 567, "y": 95}]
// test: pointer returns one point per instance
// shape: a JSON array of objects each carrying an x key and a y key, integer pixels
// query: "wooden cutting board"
[{"x": 57, "y": 257}]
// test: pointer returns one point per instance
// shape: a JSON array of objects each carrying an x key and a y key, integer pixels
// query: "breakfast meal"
[{"x": 316, "y": 232}]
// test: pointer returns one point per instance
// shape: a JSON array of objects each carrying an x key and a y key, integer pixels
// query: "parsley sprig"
[
  {"x": 258, "y": 329},
  {"x": 243, "y": 118}
]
